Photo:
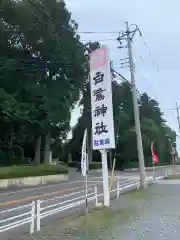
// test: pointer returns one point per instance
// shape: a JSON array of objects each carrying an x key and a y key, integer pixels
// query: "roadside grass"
[
  {"x": 139, "y": 194},
  {"x": 174, "y": 176},
  {"x": 100, "y": 220},
  {"x": 31, "y": 171},
  {"x": 128, "y": 207},
  {"x": 82, "y": 228}
]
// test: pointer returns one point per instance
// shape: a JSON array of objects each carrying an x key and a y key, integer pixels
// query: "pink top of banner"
[{"x": 98, "y": 58}]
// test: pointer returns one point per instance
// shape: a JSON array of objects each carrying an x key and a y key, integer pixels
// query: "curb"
[
  {"x": 15, "y": 183},
  {"x": 150, "y": 168}
]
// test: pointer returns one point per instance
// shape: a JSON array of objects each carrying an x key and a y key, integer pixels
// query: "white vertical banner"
[
  {"x": 101, "y": 100},
  {"x": 84, "y": 155}
]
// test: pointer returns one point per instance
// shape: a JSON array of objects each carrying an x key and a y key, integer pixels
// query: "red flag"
[{"x": 154, "y": 156}]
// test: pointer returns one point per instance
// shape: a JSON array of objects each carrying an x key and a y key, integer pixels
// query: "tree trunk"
[
  {"x": 37, "y": 157},
  {"x": 47, "y": 148},
  {"x": 12, "y": 133}
]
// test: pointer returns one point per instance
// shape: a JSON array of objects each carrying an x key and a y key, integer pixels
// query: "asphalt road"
[
  {"x": 9, "y": 199},
  {"x": 62, "y": 193}
]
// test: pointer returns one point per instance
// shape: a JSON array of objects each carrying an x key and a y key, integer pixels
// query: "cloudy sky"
[{"x": 158, "y": 66}]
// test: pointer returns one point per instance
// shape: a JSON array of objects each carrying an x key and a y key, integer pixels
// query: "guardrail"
[
  {"x": 43, "y": 208},
  {"x": 18, "y": 220},
  {"x": 55, "y": 208}
]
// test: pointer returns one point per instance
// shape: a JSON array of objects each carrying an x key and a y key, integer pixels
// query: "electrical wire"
[
  {"x": 142, "y": 78},
  {"x": 149, "y": 52},
  {"x": 83, "y": 40},
  {"x": 156, "y": 67},
  {"x": 150, "y": 74},
  {"x": 33, "y": 59},
  {"x": 37, "y": 62},
  {"x": 98, "y": 32},
  {"x": 98, "y": 40},
  {"x": 85, "y": 32}
]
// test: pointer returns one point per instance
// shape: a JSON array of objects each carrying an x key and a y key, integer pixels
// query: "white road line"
[
  {"x": 62, "y": 184},
  {"x": 119, "y": 177},
  {"x": 95, "y": 177},
  {"x": 159, "y": 178},
  {"x": 41, "y": 187}
]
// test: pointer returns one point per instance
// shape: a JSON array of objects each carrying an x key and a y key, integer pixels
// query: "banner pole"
[
  {"x": 112, "y": 176},
  {"x": 153, "y": 170},
  {"x": 86, "y": 206},
  {"x": 105, "y": 178},
  {"x": 84, "y": 170},
  {"x": 86, "y": 194}
]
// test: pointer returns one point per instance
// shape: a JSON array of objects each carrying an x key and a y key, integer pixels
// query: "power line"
[
  {"x": 116, "y": 32},
  {"x": 173, "y": 109},
  {"x": 90, "y": 32},
  {"x": 44, "y": 64},
  {"x": 30, "y": 59},
  {"x": 149, "y": 52},
  {"x": 85, "y": 32},
  {"x": 29, "y": 66},
  {"x": 99, "y": 40},
  {"x": 47, "y": 16},
  {"x": 98, "y": 32},
  {"x": 35, "y": 66},
  {"x": 143, "y": 78},
  {"x": 150, "y": 74},
  {"x": 35, "y": 61},
  {"x": 118, "y": 74},
  {"x": 25, "y": 68},
  {"x": 142, "y": 59}
]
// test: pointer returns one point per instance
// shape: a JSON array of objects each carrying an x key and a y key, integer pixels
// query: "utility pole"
[
  {"x": 178, "y": 119},
  {"x": 128, "y": 37},
  {"x": 177, "y": 110}
]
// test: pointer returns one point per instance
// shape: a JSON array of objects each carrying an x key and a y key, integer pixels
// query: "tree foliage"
[
  {"x": 42, "y": 70},
  {"x": 153, "y": 127}
]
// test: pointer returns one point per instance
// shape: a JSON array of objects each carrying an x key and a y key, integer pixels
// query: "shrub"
[
  {"x": 129, "y": 165},
  {"x": 93, "y": 165},
  {"x": 31, "y": 171},
  {"x": 72, "y": 164},
  {"x": 96, "y": 165}
]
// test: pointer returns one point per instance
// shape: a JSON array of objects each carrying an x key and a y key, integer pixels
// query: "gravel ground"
[
  {"x": 148, "y": 214},
  {"x": 157, "y": 216}
]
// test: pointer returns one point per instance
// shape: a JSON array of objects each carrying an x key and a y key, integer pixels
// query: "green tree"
[
  {"x": 41, "y": 67},
  {"x": 153, "y": 128}
]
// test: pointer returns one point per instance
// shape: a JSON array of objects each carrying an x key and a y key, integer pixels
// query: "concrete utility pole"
[
  {"x": 128, "y": 37},
  {"x": 177, "y": 110}
]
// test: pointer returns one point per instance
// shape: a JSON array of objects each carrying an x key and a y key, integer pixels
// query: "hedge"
[
  {"x": 72, "y": 164},
  {"x": 93, "y": 165},
  {"x": 31, "y": 171}
]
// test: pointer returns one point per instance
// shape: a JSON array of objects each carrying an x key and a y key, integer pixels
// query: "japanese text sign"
[{"x": 101, "y": 100}]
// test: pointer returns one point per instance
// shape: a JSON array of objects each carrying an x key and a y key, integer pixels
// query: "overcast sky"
[{"x": 159, "y": 21}]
